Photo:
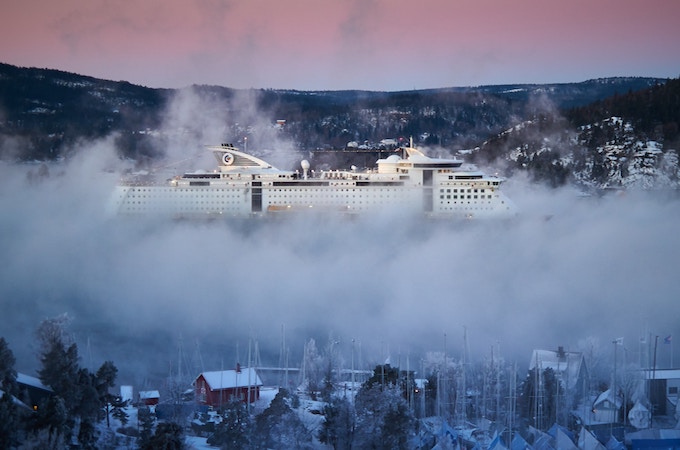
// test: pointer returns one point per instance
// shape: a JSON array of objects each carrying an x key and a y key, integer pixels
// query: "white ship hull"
[{"x": 245, "y": 186}]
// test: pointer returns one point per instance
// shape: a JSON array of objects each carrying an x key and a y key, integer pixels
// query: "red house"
[
  {"x": 149, "y": 398},
  {"x": 220, "y": 387}
]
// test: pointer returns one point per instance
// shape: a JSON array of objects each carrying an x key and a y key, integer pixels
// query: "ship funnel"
[{"x": 305, "y": 168}]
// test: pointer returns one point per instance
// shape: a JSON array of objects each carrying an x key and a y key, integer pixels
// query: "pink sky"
[{"x": 344, "y": 44}]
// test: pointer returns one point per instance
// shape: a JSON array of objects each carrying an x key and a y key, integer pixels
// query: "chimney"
[
  {"x": 238, "y": 368},
  {"x": 560, "y": 352}
]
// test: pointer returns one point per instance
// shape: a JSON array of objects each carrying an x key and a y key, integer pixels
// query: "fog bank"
[{"x": 569, "y": 267}]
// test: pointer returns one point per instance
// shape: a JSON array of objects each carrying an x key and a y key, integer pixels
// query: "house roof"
[
  {"x": 227, "y": 379},
  {"x": 145, "y": 395},
  {"x": 17, "y": 402},
  {"x": 28, "y": 380},
  {"x": 608, "y": 395},
  {"x": 566, "y": 365}
]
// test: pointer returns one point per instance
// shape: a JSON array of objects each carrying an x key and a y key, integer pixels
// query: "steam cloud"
[{"x": 566, "y": 269}]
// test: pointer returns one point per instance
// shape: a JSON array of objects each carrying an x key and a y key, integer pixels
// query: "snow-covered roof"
[
  {"x": 145, "y": 395},
  {"x": 421, "y": 383},
  {"x": 226, "y": 379},
  {"x": 28, "y": 380},
  {"x": 609, "y": 396},
  {"x": 16, "y": 401},
  {"x": 566, "y": 365}
]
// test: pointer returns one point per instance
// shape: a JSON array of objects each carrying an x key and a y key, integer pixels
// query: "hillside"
[
  {"x": 614, "y": 132},
  {"x": 624, "y": 141}
]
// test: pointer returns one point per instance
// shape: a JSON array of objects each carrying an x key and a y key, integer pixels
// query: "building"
[
  {"x": 31, "y": 390},
  {"x": 664, "y": 391},
  {"x": 569, "y": 367},
  {"x": 149, "y": 398},
  {"x": 606, "y": 407},
  {"x": 218, "y": 388},
  {"x": 126, "y": 393}
]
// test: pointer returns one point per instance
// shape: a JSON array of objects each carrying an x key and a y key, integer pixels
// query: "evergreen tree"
[
  {"x": 279, "y": 427},
  {"x": 9, "y": 422},
  {"x": 383, "y": 375},
  {"x": 104, "y": 380},
  {"x": 387, "y": 376},
  {"x": 235, "y": 429},
  {"x": 538, "y": 399},
  {"x": 59, "y": 361},
  {"x": 9, "y": 413},
  {"x": 552, "y": 389},
  {"x": 53, "y": 417},
  {"x": 8, "y": 376},
  {"x": 89, "y": 402},
  {"x": 383, "y": 419},
  {"x": 338, "y": 427},
  {"x": 84, "y": 394},
  {"x": 87, "y": 435},
  {"x": 145, "y": 422},
  {"x": 168, "y": 436},
  {"x": 118, "y": 406}
]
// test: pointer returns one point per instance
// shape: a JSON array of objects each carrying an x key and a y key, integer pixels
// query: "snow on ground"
[{"x": 197, "y": 443}]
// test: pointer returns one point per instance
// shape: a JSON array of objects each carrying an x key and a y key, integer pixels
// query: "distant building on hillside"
[
  {"x": 569, "y": 367},
  {"x": 218, "y": 388},
  {"x": 126, "y": 393},
  {"x": 149, "y": 398},
  {"x": 31, "y": 390}
]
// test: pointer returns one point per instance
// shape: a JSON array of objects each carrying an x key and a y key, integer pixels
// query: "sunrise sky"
[{"x": 344, "y": 44}]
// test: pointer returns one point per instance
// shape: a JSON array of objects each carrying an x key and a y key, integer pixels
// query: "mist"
[{"x": 568, "y": 268}]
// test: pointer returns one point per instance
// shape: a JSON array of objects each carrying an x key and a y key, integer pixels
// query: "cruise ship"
[{"x": 244, "y": 186}]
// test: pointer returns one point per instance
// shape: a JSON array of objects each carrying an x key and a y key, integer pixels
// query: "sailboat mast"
[
  {"x": 249, "y": 380},
  {"x": 498, "y": 383},
  {"x": 353, "y": 380}
]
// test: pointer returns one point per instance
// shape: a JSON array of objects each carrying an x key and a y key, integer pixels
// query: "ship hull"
[
  {"x": 245, "y": 186},
  {"x": 254, "y": 200}
]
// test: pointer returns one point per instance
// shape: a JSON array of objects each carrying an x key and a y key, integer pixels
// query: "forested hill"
[
  {"x": 43, "y": 113},
  {"x": 655, "y": 111},
  {"x": 624, "y": 141}
]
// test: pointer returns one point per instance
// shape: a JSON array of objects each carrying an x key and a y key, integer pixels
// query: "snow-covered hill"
[{"x": 607, "y": 154}]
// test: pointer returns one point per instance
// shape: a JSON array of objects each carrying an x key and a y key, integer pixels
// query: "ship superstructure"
[{"x": 246, "y": 186}]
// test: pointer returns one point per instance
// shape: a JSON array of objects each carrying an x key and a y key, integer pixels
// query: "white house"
[{"x": 606, "y": 407}]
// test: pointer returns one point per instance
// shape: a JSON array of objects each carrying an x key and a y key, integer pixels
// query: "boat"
[{"x": 246, "y": 186}]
